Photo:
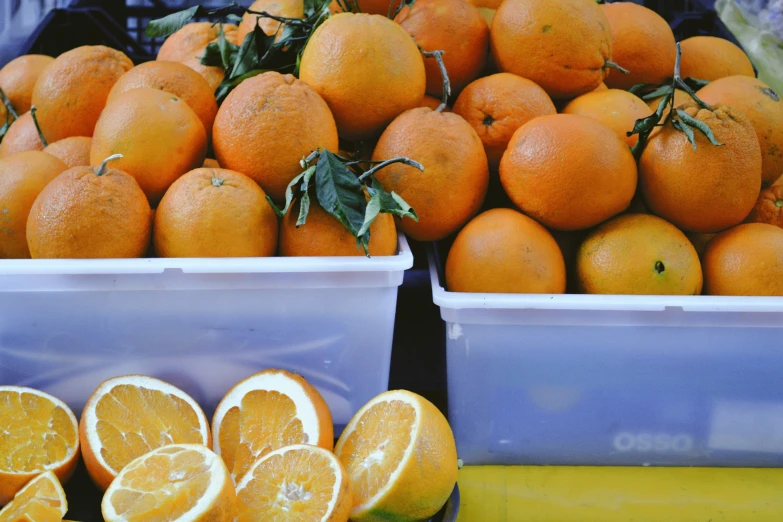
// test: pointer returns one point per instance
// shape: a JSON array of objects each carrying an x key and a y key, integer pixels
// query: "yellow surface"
[{"x": 571, "y": 494}]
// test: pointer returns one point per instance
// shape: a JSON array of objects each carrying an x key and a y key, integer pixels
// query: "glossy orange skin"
[
  {"x": 562, "y": 46},
  {"x": 616, "y": 109},
  {"x": 267, "y": 125},
  {"x": 215, "y": 213},
  {"x": 504, "y": 251},
  {"x": 497, "y": 105},
  {"x": 568, "y": 172},
  {"x": 642, "y": 42},
  {"x": 18, "y": 77},
  {"x": 282, "y": 8},
  {"x": 455, "y": 179},
  {"x": 769, "y": 207},
  {"x": 367, "y": 69},
  {"x": 73, "y": 151},
  {"x": 745, "y": 260},
  {"x": 83, "y": 215},
  {"x": 709, "y": 189},
  {"x": 72, "y": 91},
  {"x": 21, "y": 136},
  {"x": 159, "y": 136},
  {"x": 710, "y": 58}
]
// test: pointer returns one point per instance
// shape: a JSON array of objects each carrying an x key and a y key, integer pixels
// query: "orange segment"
[
  {"x": 299, "y": 483},
  {"x": 41, "y": 500}
]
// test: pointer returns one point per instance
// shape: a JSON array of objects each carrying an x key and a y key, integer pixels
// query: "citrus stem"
[
  {"x": 38, "y": 127},
  {"x": 281, "y": 19},
  {"x": 615, "y": 66},
  {"x": 102, "y": 169},
  {"x": 438, "y": 55},
  {"x": 379, "y": 166},
  {"x": 678, "y": 81},
  {"x": 8, "y": 105}
]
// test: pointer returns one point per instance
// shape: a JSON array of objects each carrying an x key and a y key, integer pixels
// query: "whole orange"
[
  {"x": 562, "y": 46},
  {"x": 769, "y": 207},
  {"x": 215, "y": 213},
  {"x": 745, "y": 260},
  {"x": 267, "y": 125},
  {"x": 367, "y": 68},
  {"x": 281, "y": 8},
  {"x": 21, "y": 136},
  {"x": 642, "y": 42},
  {"x": 18, "y": 77},
  {"x": 73, "y": 151},
  {"x": 504, "y": 251},
  {"x": 454, "y": 27},
  {"x": 616, "y": 109},
  {"x": 159, "y": 136},
  {"x": 710, "y": 58},
  {"x": 497, "y": 105},
  {"x": 72, "y": 91},
  {"x": 323, "y": 235},
  {"x": 452, "y": 187},
  {"x": 22, "y": 177},
  {"x": 568, "y": 172},
  {"x": 763, "y": 107},
  {"x": 707, "y": 189},
  {"x": 638, "y": 254}
]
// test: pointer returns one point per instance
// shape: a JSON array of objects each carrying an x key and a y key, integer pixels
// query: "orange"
[
  {"x": 267, "y": 125},
  {"x": 129, "y": 416},
  {"x": 562, "y": 46},
  {"x": 504, "y": 251},
  {"x": 73, "y": 151},
  {"x": 22, "y": 136},
  {"x": 41, "y": 500},
  {"x": 616, "y": 109},
  {"x": 638, "y": 254},
  {"x": 486, "y": 4},
  {"x": 159, "y": 136},
  {"x": 22, "y": 177},
  {"x": 454, "y": 27},
  {"x": 215, "y": 213},
  {"x": 17, "y": 79},
  {"x": 71, "y": 92},
  {"x": 763, "y": 107},
  {"x": 296, "y": 482},
  {"x": 40, "y": 435},
  {"x": 568, "y": 172},
  {"x": 400, "y": 456},
  {"x": 379, "y": 7},
  {"x": 707, "y": 189},
  {"x": 90, "y": 213},
  {"x": 452, "y": 155},
  {"x": 745, "y": 260},
  {"x": 431, "y": 102},
  {"x": 710, "y": 58},
  {"x": 267, "y": 411},
  {"x": 210, "y": 163},
  {"x": 769, "y": 207},
  {"x": 174, "y": 78},
  {"x": 367, "y": 68},
  {"x": 497, "y": 105},
  {"x": 281, "y": 8},
  {"x": 178, "y": 482},
  {"x": 642, "y": 43}
]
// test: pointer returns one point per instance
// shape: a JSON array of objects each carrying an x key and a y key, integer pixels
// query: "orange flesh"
[{"x": 40, "y": 503}]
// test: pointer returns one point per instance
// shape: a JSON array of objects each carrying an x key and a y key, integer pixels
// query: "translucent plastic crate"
[
  {"x": 613, "y": 380},
  {"x": 201, "y": 324}
]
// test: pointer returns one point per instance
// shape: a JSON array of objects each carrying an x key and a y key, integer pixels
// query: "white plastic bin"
[
  {"x": 201, "y": 324},
  {"x": 613, "y": 380}
]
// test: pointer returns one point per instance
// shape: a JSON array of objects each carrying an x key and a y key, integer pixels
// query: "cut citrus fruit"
[
  {"x": 300, "y": 483},
  {"x": 400, "y": 456},
  {"x": 179, "y": 482},
  {"x": 38, "y": 433},
  {"x": 129, "y": 416},
  {"x": 267, "y": 411},
  {"x": 41, "y": 500}
]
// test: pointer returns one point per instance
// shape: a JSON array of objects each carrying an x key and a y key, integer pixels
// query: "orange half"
[{"x": 41, "y": 500}]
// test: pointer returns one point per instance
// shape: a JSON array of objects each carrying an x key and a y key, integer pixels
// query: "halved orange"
[
  {"x": 180, "y": 482},
  {"x": 401, "y": 458},
  {"x": 296, "y": 483},
  {"x": 38, "y": 433},
  {"x": 41, "y": 500},
  {"x": 129, "y": 416},
  {"x": 269, "y": 410}
]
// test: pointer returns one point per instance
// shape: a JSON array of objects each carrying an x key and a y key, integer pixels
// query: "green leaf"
[
  {"x": 236, "y": 19},
  {"x": 172, "y": 23},
  {"x": 663, "y": 90},
  {"x": 339, "y": 192},
  {"x": 391, "y": 203},
  {"x": 212, "y": 56},
  {"x": 640, "y": 87},
  {"x": 695, "y": 83},
  {"x": 370, "y": 213},
  {"x": 304, "y": 202},
  {"x": 246, "y": 57},
  {"x": 680, "y": 126},
  {"x": 703, "y": 127},
  {"x": 228, "y": 51}
]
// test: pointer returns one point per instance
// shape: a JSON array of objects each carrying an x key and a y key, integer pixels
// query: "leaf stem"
[
  {"x": 9, "y": 107},
  {"x": 438, "y": 55},
  {"x": 102, "y": 169},
  {"x": 38, "y": 127},
  {"x": 616, "y": 66},
  {"x": 379, "y": 166},
  {"x": 678, "y": 81}
]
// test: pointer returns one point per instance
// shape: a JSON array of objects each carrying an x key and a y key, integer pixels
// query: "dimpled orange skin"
[
  {"x": 456, "y": 28},
  {"x": 22, "y": 177},
  {"x": 379, "y": 7},
  {"x": 497, "y": 105},
  {"x": 215, "y": 213},
  {"x": 763, "y": 107},
  {"x": 18, "y": 77},
  {"x": 21, "y": 136},
  {"x": 616, "y": 109},
  {"x": 159, "y": 136},
  {"x": 709, "y": 189},
  {"x": 769, "y": 207},
  {"x": 710, "y": 58},
  {"x": 745, "y": 260},
  {"x": 267, "y": 125},
  {"x": 642, "y": 42},
  {"x": 568, "y": 172},
  {"x": 455, "y": 179},
  {"x": 83, "y": 215},
  {"x": 562, "y": 46},
  {"x": 367, "y": 68},
  {"x": 72, "y": 91},
  {"x": 282, "y": 8},
  {"x": 73, "y": 151}
]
